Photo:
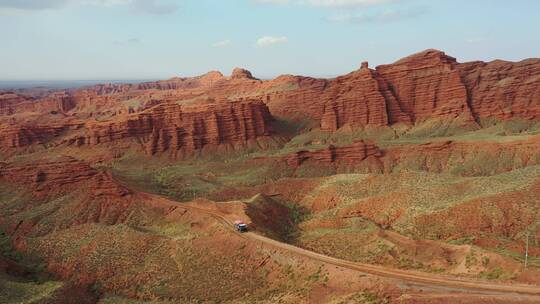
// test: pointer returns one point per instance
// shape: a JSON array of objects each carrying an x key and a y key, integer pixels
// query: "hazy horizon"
[{"x": 159, "y": 39}]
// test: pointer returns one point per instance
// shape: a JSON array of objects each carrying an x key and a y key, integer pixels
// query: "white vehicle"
[{"x": 240, "y": 226}]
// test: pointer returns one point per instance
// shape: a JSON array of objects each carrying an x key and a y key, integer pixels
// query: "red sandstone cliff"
[
  {"x": 15, "y": 136},
  {"x": 360, "y": 98},
  {"x": 426, "y": 85},
  {"x": 503, "y": 90},
  {"x": 184, "y": 127},
  {"x": 11, "y": 103}
]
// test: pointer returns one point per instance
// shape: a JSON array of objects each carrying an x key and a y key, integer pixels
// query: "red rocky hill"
[{"x": 235, "y": 110}]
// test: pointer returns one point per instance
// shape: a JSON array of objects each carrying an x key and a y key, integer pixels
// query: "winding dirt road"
[{"x": 415, "y": 278}]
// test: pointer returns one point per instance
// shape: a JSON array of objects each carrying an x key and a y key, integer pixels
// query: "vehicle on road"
[{"x": 240, "y": 226}]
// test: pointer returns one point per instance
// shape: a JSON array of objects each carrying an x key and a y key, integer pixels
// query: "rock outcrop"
[
  {"x": 53, "y": 176},
  {"x": 190, "y": 113},
  {"x": 503, "y": 90},
  {"x": 11, "y": 103},
  {"x": 16, "y": 136},
  {"x": 360, "y": 98},
  {"x": 184, "y": 127},
  {"x": 354, "y": 153},
  {"x": 239, "y": 73},
  {"x": 464, "y": 158},
  {"x": 427, "y": 85}
]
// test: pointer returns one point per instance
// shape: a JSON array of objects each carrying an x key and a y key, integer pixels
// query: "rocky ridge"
[
  {"x": 429, "y": 85},
  {"x": 187, "y": 128}
]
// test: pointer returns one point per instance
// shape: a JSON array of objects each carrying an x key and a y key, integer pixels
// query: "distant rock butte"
[
  {"x": 239, "y": 73},
  {"x": 212, "y": 109}
]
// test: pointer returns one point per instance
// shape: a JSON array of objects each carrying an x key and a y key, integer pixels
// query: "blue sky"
[{"x": 147, "y": 39}]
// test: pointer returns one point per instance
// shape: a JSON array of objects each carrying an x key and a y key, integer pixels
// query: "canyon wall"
[
  {"x": 11, "y": 103},
  {"x": 503, "y": 90},
  {"x": 427, "y": 85},
  {"x": 19, "y": 136},
  {"x": 212, "y": 109},
  {"x": 187, "y": 128}
]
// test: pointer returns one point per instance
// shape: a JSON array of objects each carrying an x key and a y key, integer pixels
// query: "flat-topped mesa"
[
  {"x": 186, "y": 128},
  {"x": 239, "y": 73}
]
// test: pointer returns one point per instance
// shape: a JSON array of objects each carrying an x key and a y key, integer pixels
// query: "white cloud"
[
  {"x": 223, "y": 43},
  {"x": 270, "y": 40}
]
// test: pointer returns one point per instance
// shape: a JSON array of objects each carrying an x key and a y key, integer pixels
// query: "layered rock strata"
[
  {"x": 354, "y": 153},
  {"x": 188, "y": 128}
]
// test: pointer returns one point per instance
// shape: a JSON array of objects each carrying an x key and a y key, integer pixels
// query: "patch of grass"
[
  {"x": 532, "y": 262},
  {"x": 25, "y": 292},
  {"x": 496, "y": 274},
  {"x": 492, "y": 130},
  {"x": 467, "y": 240},
  {"x": 114, "y": 299},
  {"x": 363, "y": 297}
]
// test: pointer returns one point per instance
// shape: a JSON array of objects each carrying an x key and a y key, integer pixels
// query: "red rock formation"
[
  {"x": 464, "y": 158},
  {"x": 239, "y": 73},
  {"x": 354, "y": 153},
  {"x": 86, "y": 195},
  {"x": 57, "y": 175},
  {"x": 176, "y": 83},
  {"x": 185, "y": 127},
  {"x": 427, "y": 85},
  {"x": 503, "y": 90},
  {"x": 360, "y": 98},
  {"x": 11, "y": 103},
  {"x": 15, "y": 136},
  {"x": 286, "y": 96}
]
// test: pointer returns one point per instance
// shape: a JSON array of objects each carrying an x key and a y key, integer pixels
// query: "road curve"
[{"x": 425, "y": 279}]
